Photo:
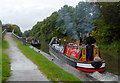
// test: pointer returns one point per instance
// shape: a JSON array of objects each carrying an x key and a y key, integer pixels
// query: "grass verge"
[
  {"x": 51, "y": 70},
  {"x": 5, "y": 68},
  {"x": 5, "y": 45},
  {"x": 0, "y": 65}
]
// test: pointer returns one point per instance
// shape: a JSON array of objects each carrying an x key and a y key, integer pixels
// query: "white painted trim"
[
  {"x": 88, "y": 65},
  {"x": 103, "y": 65}
]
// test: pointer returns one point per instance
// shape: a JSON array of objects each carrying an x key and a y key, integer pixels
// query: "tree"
[{"x": 107, "y": 25}]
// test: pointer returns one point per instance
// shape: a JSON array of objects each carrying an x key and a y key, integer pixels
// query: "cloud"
[{"x": 26, "y": 13}]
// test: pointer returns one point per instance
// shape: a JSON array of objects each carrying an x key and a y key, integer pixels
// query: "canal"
[{"x": 111, "y": 62}]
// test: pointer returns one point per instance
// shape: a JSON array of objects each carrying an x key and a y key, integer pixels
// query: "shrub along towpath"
[{"x": 22, "y": 69}]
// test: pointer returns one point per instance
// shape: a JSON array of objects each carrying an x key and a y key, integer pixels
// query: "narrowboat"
[
  {"x": 76, "y": 56},
  {"x": 33, "y": 41}
]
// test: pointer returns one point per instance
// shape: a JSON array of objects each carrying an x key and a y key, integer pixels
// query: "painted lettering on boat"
[{"x": 73, "y": 52}]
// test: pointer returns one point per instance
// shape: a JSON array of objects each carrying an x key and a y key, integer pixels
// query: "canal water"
[{"x": 111, "y": 63}]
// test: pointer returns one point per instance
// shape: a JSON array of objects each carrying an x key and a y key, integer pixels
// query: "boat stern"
[{"x": 91, "y": 66}]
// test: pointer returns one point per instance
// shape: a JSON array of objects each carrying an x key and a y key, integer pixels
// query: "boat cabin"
[{"x": 80, "y": 53}]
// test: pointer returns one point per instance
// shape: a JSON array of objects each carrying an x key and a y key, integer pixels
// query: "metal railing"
[
  {"x": 4, "y": 32},
  {"x": 19, "y": 38},
  {"x": 16, "y": 36}
]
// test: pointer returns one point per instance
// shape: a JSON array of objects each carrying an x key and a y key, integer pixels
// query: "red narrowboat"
[{"x": 76, "y": 56}]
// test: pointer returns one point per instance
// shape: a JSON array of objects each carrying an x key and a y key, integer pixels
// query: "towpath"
[{"x": 22, "y": 68}]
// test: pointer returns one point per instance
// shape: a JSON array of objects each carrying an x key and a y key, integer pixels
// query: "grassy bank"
[
  {"x": 0, "y": 65},
  {"x": 112, "y": 49},
  {"x": 51, "y": 70},
  {"x": 5, "y": 45},
  {"x": 5, "y": 70},
  {"x": 5, "y": 67}
]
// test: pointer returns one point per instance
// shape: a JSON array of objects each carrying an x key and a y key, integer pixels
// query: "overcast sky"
[{"x": 26, "y": 13}]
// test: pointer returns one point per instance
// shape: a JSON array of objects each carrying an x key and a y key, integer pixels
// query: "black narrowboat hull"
[{"x": 59, "y": 55}]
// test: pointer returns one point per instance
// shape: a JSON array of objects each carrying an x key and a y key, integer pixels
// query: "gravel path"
[{"x": 22, "y": 68}]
